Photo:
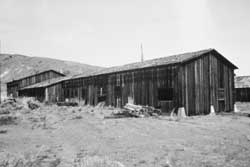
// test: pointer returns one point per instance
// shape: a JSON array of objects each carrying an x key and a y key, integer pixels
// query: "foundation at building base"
[
  {"x": 236, "y": 110},
  {"x": 181, "y": 113},
  {"x": 212, "y": 111}
]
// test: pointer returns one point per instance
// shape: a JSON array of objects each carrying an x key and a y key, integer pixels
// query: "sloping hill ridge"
[{"x": 14, "y": 66}]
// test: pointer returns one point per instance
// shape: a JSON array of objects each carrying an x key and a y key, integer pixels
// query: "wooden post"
[{"x": 142, "y": 56}]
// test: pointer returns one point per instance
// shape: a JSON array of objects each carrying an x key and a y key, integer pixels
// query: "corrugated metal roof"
[{"x": 242, "y": 82}]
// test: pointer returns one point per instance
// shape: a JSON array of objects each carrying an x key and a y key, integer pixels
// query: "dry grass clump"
[
  {"x": 6, "y": 112},
  {"x": 243, "y": 106},
  {"x": 96, "y": 161},
  {"x": 28, "y": 103},
  {"x": 7, "y": 119},
  {"x": 44, "y": 158}
]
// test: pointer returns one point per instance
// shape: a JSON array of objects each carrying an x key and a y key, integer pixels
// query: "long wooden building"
[
  {"x": 194, "y": 80},
  {"x": 14, "y": 86},
  {"x": 45, "y": 90},
  {"x": 242, "y": 88}
]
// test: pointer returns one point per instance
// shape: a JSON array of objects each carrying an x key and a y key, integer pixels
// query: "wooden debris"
[
  {"x": 100, "y": 105},
  {"x": 73, "y": 104},
  {"x": 133, "y": 110}
]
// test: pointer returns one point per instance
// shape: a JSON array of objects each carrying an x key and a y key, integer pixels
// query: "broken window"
[{"x": 165, "y": 94}]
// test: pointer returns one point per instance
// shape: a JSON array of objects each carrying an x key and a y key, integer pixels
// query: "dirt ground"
[{"x": 74, "y": 133}]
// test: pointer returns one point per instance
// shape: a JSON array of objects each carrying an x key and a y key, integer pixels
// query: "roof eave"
[{"x": 229, "y": 62}]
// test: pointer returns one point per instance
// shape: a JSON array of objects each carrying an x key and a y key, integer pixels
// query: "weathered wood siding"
[
  {"x": 37, "y": 78},
  {"x": 140, "y": 86},
  {"x": 222, "y": 85},
  {"x": 13, "y": 87},
  {"x": 197, "y": 84},
  {"x": 194, "y": 86},
  {"x": 204, "y": 82},
  {"x": 37, "y": 93},
  {"x": 243, "y": 94},
  {"x": 55, "y": 93}
]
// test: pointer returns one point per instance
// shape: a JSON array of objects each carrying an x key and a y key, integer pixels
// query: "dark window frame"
[
  {"x": 221, "y": 75},
  {"x": 165, "y": 94}
]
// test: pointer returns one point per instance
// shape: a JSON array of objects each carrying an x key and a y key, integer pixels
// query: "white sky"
[{"x": 109, "y": 32}]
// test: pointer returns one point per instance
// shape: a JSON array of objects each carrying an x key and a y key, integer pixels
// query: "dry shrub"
[
  {"x": 17, "y": 104},
  {"x": 7, "y": 119},
  {"x": 29, "y": 103},
  {"x": 8, "y": 106},
  {"x": 4, "y": 111}
]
